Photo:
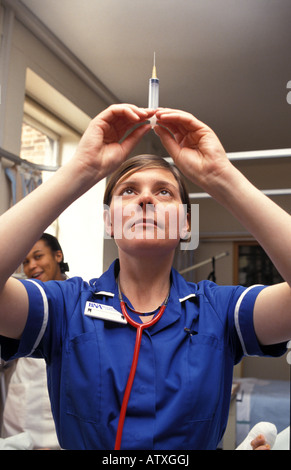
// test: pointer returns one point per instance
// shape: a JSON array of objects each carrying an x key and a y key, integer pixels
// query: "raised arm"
[
  {"x": 199, "y": 154},
  {"x": 99, "y": 152}
]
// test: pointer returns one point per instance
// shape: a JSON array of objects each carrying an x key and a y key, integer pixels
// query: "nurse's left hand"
[{"x": 194, "y": 147}]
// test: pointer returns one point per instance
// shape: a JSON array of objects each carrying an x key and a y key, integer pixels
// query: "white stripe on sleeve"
[{"x": 45, "y": 316}]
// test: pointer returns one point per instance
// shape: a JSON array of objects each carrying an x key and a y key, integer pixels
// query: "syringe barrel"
[{"x": 153, "y": 93}]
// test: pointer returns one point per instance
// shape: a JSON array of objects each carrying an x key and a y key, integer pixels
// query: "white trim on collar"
[
  {"x": 187, "y": 297},
  {"x": 103, "y": 292}
]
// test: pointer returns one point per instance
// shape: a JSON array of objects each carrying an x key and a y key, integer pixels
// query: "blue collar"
[{"x": 181, "y": 291}]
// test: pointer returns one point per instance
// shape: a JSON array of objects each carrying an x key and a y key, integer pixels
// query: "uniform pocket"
[
  {"x": 205, "y": 357},
  {"x": 83, "y": 378}
]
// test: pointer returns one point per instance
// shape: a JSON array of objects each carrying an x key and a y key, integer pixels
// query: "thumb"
[
  {"x": 167, "y": 141},
  {"x": 130, "y": 142}
]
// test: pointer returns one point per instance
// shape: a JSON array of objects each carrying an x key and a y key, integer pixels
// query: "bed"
[{"x": 261, "y": 400}]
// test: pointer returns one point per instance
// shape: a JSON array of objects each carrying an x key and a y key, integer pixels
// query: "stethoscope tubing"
[{"x": 139, "y": 329}]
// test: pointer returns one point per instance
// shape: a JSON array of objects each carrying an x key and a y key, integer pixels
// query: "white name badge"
[{"x": 103, "y": 312}]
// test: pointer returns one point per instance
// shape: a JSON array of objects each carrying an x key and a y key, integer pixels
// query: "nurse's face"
[
  {"x": 42, "y": 263},
  {"x": 146, "y": 210}
]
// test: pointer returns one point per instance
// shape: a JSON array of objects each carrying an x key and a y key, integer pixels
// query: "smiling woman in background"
[
  {"x": 27, "y": 407},
  {"x": 45, "y": 261}
]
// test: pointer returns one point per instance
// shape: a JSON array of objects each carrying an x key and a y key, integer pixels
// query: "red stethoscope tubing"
[{"x": 139, "y": 329}]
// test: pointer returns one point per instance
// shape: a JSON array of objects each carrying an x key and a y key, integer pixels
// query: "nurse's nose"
[{"x": 146, "y": 197}]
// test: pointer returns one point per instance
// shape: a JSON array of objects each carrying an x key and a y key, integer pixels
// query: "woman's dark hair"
[{"x": 53, "y": 243}]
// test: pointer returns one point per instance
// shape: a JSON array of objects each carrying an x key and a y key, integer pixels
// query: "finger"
[
  {"x": 128, "y": 111},
  {"x": 178, "y": 131},
  {"x": 259, "y": 443},
  {"x": 167, "y": 140},
  {"x": 263, "y": 447},
  {"x": 130, "y": 142},
  {"x": 117, "y": 120},
  {"x": 179, "y": 119}
]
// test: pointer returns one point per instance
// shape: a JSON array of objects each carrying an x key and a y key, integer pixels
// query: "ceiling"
[{"x": 226, "y": 61}]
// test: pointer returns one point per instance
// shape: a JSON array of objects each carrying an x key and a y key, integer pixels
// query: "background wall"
[{"x": 29, "y": 68}]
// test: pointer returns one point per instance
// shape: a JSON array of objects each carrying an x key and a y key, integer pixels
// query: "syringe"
[{"x": 154, "y": 92}]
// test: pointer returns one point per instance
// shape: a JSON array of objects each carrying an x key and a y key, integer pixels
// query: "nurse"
[{"x": 181, "y": 389}]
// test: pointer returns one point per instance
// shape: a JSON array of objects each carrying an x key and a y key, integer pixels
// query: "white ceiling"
[{"x": 226, "y": 61}]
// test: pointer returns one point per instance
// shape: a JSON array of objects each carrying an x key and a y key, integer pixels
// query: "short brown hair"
[{"x": 142, "y": 162}]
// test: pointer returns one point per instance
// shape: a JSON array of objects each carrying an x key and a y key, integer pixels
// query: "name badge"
[{"x": 103, "y": 312}]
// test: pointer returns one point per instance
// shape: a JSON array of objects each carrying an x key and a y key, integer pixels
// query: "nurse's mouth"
[{"x": 145, "y": 222}]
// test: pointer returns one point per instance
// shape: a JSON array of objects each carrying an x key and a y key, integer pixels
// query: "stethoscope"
[{"x": 139, "y": 329}]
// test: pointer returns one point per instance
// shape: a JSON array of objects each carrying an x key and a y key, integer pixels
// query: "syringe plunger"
[{"x": 153, "y": 92}]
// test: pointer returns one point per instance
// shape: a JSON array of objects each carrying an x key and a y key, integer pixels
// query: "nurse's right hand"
[{"x": 101, "y": 149}]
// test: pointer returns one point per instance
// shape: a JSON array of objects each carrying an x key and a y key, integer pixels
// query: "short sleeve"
[
  {"x": 34, "y": 328},
  {"x": 243, "y": 317}
]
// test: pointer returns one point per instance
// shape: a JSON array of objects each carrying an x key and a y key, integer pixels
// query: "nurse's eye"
[
  {"x": 127, "y": 192},
  {"x": 165, "y": 192}
]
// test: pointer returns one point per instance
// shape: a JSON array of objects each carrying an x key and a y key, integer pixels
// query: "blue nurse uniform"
[{"x": 181, "y": 392}]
